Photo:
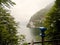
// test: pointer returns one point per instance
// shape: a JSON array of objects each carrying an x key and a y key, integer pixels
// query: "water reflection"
[
  {"x": 36, "y": 34},
  {"x": 30, "y": 33}
]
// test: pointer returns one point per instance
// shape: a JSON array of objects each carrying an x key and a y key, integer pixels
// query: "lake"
[{"x": 30, "y": 33}]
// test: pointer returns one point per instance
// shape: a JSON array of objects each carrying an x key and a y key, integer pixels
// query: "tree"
[
  {"x": 7, "y": 29},
  {"x": 7, "y": 3},
  {"x": 52, "y": 22}
]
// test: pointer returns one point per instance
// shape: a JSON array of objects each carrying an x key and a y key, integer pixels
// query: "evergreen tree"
[
  {"x": 7, "y": 3},
  {"x": 52, "y": 22},
  {"x": 7, "y": 25},
  {"x": 7, "y": 29}
]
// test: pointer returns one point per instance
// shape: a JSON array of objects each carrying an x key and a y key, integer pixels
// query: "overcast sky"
[{"x": 24, "y": 9}]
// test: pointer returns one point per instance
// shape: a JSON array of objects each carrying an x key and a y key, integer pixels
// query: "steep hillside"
[{"x": 35, "y": 20}]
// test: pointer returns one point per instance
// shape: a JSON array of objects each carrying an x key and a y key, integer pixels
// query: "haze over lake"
[{"x": 24, "y": 9}]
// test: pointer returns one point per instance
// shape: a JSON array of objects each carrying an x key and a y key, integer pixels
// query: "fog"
[{"x": 24, "y": 9}]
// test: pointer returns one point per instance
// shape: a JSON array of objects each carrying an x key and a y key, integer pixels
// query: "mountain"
[{"x": 35, "y": 20}]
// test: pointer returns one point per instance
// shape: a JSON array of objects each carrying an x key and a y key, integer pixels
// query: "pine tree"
[
  {"x": 7, "y": 29},
  {"x": 7, "y": 3},
  {"x": 7, "y": 25},
  {"x": 52, "y": 22}
]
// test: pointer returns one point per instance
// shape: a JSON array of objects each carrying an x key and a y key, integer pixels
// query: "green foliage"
[
  {"x": 52, "y": 22},
  {"x": 25, "y": 43},
  {"x": 7, "y": 3},
  {"x": 7, "y": 29},
  {"x": 58, "y": 3}
]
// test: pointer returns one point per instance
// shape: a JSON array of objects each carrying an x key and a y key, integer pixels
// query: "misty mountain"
[{"x": 37, "y": 17}]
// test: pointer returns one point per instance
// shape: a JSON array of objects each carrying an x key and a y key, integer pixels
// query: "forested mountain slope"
[{"x": 35, "y": 19}]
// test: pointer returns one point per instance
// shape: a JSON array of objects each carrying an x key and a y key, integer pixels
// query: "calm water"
[{"x": 30, "y": 34}]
